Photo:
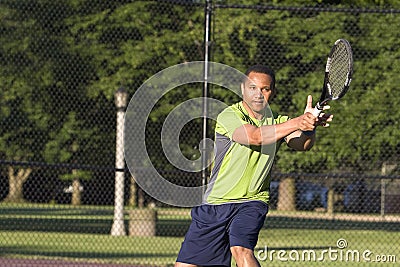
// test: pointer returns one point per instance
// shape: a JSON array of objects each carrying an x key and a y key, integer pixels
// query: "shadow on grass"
[
  {"x": 51, "y": 211},
  {"x": 83, "y": 226},
  {"x": 171, "y": 228},
  {"x": 30, "y": 251}
]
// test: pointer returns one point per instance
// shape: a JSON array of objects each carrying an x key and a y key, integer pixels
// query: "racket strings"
[{"x": 339, "y": 70}]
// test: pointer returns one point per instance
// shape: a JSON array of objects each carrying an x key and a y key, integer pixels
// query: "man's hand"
[
  {"x": 309, "y": 107},
  {"x": 323, "y": 118},
  {"x": 307, "y": 121}
]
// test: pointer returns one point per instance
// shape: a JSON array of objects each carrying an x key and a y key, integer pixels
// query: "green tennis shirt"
[{"x": 240, "y": 172}]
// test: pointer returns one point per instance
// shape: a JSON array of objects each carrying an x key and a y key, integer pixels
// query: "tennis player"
[{"x": 236, "y": 201}]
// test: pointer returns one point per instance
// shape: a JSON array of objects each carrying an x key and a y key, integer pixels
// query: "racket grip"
[{"x": 317, "y": 110}]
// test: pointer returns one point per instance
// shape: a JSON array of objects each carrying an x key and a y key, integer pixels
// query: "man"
[{"x": 236, "y": 201}]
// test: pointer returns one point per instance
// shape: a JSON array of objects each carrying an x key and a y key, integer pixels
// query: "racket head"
[{"x": 338, "y": 72}]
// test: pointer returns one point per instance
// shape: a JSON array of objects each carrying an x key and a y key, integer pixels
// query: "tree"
[
  {"x": 128, "y": 49},
  {"x": 68, "y": 145},
  {"x": 44, "y": 81},
  {"x": 361, "y": 135},
  {"x": 24, "y": 118}
]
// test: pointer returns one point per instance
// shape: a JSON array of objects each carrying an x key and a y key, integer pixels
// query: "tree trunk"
[
  {"x": 140, "y": 198},
  {"x": 16, "y": 182},
  {"x": 330, "y": 207},
  {"x": 76, "y": 192},
  {"x": 287, "y": 194},
  {"x": 331, "y": 201},
  {"x": 133, "y": 192}
]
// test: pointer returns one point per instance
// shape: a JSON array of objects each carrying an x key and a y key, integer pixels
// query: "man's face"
[{"x": 257, "y": 91}]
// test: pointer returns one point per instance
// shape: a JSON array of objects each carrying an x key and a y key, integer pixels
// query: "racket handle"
[{"x": 317, "y": 110}]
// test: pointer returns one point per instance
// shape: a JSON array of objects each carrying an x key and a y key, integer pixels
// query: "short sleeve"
[{"x": 228, "y": 121}]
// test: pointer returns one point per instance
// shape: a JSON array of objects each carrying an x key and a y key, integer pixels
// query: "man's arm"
[
  {"x": 252, "y": 135},
  {"x": 301, "y": 141},
  {"x": 299, "y": 132}
]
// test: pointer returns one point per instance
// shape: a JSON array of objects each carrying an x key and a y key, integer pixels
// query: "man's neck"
[{"x": 256, "y": 115}]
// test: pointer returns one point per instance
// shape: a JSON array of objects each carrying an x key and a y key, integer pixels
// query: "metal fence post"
[{"x": 207, "y": 45}]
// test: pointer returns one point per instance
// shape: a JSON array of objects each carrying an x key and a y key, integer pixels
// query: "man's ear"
[{"x": 242, "y": 88}]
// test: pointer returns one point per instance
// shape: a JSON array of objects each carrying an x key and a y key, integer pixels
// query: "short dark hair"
[{"x": 262, "y": 69}]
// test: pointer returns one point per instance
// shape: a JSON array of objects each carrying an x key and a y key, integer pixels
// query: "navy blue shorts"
[{"x": 216, "y": 228}]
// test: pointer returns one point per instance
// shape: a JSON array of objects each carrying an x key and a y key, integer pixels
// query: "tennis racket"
[{"x": 338, "y": 73}]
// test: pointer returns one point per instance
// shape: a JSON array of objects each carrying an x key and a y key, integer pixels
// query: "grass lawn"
[{"x": 82, "y": 234}]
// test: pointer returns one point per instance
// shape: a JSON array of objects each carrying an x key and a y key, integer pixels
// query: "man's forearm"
[{"x": 273, "y": 133}]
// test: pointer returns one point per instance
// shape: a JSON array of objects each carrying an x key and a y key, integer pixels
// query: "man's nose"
[{"x": 259, "y": 93}]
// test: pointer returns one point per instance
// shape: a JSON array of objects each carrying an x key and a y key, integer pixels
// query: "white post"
[{"x": 118, "y": 227}]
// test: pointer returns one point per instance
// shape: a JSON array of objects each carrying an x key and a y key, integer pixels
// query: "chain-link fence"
[{"x": 65, "y": 194}]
